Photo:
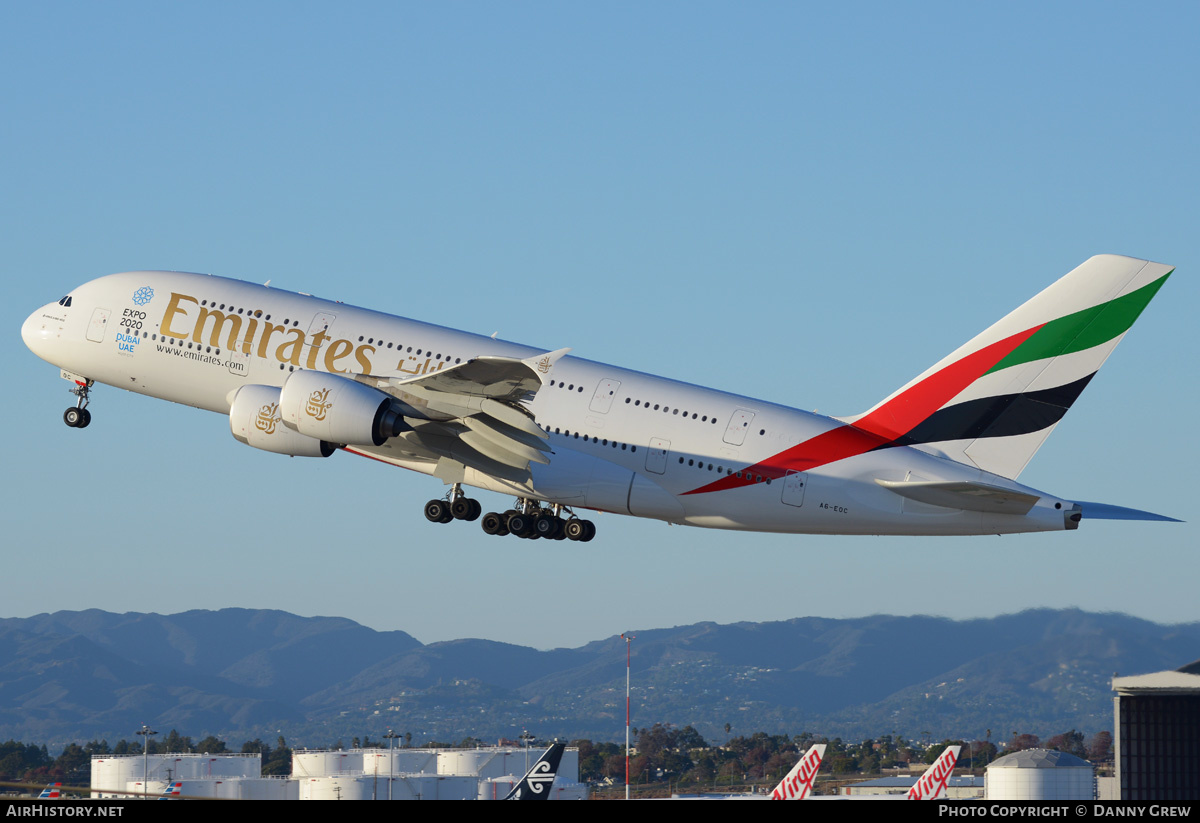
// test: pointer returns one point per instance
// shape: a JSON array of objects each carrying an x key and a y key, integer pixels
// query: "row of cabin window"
[
  {"x": 666, "y": 409},
  {"x": 371, "y": 341},
  {"x": 757, "y": 478},
  {"x": 604, "y": 442},
  {"x": 247, "y": 312},
  {"x": 286, "y": 321}
]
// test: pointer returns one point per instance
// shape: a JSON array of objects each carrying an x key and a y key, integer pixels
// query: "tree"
[
  {"x": 74, "y": 762},
  {"x": 980, "y": 753},
  {"x": 279, "y": 761},
  {"x": 173, "y": 742},
  {"x": 1020, "y": 742},
  {"x": 211, "y": 745},
  {"x": 1100, "y": 747},
  {"x": 1070, "y": 742}
]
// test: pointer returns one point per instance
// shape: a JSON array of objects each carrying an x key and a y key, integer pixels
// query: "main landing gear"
[
  {"x": 77, "y": 416},
  {"x": 456, "y": 506},
  {"x": 529, "y": 520}
]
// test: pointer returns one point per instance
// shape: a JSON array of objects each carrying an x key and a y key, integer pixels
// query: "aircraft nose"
[{"x": 36, "y": 331}]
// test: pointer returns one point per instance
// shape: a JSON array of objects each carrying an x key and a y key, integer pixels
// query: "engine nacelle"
[
  {"x": 254, "y": 420},
  {"x": 328, "y": 407}
]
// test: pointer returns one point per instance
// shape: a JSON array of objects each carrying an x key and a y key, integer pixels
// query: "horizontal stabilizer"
[
  {"x": 1103, "y": 511},
  {"x": 976, "y": 497}
]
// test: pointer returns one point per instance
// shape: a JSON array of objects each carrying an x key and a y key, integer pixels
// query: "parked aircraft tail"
[
  {"x": 52, "y": 792},
  {"x": 932, "y": 784},
  {"x": 536, "y": 783},
  {"x": 995, "y": 400},
  {"x": 798, "y": 783}
]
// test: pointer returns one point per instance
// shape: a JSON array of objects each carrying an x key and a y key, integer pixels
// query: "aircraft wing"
[
  {"x": 499, "y": 378},
  {"x": 474, "y": 413}
]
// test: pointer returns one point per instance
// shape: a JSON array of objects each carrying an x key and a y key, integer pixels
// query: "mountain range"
[{"x": 241, "y": 673}]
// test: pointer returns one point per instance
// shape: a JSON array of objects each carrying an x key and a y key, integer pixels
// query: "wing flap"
[{"x": 475, "y": 412}]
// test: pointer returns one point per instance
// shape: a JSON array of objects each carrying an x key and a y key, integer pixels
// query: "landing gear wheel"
[
  {"x": 494, "y": 524},
  {"x": 465, "y": 508},
  {"x": 73, "y": 417},
  {"x": 438, "y": 511},
  {"x": 521, "y": 525},
  {"x": 547, "y": 526},
  {"x": 87, "y": 418},
  {"x": 574, "y": 529},
  {"x": 591, "y": 531}
]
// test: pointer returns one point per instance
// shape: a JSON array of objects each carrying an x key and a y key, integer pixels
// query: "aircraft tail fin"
[
  {"x": 536, "y": 783},
  {"x": 932, "y": 784},
  {"x": 995, "y": 400},
  {"x": 798, "y": 783},
  {"x": 52, "y": 792}
]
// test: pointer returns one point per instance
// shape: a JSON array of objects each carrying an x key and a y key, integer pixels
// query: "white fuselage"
[{"x": 622, "y": 441}]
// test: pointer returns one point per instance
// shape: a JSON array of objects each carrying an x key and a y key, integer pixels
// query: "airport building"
[
  {"x": 1157, "y": 722},
  {"x": 352, "y": 774}
]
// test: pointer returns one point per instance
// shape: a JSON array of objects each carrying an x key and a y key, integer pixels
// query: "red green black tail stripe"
[{"x": 919, "y": 413}]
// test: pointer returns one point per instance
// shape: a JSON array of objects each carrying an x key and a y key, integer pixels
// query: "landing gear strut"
[{"x": 77, "y": 416}]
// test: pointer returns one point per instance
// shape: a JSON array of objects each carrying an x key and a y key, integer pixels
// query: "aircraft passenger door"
[
  {"x": 656, "y": 455},
  {"x": 239, "y": 361},
  {"x": 320, "y": 324},
  {"x": 739, "y": 424},
  {"x": 99, "y": 323},
  {"x": 793, "y": 488},
  {"x": 603, "y": 398}
]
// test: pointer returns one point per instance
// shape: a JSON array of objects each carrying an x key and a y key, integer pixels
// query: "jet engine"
[
  {"x": 254, "y": 420},
  {"x": 332, "y": 408}
]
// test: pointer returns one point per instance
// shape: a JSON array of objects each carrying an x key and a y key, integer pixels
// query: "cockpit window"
[{"x": 66, "y": 301}]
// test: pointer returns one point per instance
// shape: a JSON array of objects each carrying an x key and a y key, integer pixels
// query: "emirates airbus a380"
[{"x": 303, "y": 376}]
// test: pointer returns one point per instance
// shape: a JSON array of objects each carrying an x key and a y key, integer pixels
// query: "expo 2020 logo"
[{"x": 143, "y": 295}]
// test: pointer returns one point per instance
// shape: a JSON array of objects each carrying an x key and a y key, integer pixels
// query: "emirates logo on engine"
[
  {"x": 267, "y": 416},
  {"x": 317, "y": 406}
]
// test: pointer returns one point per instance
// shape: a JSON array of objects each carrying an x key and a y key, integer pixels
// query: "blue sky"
[{"x": 805, "y": 203}]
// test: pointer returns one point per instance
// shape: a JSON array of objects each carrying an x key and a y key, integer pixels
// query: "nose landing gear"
[{"x": 77, "y": 416}]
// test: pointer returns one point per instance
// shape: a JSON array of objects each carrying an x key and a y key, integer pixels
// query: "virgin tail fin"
[
  {"x": 994, "y": 401},
  {"x": 797, "y": 784}
]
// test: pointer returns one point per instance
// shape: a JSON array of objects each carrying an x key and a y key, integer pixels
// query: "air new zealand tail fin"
[
  {"x": 994, "y": 401},
  {"x": 535, "y": 785}
]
